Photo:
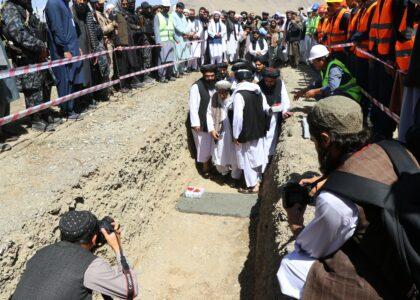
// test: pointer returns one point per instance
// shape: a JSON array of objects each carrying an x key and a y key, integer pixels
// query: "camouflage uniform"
[{"x": 24, "y": 30}]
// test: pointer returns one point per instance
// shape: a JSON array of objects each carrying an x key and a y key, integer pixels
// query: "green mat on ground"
[{"x": 219, "y": 204}]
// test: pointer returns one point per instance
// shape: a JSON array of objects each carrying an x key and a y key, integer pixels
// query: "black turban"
[
  {"x": 208, "y": 68},
  {"x": 75, "y": 225},
  {"x": 263, "y": 59},
  {"x": 271, "y": 73},
  {"x": 242, "y": 65},
  {"x": 180, "y": 5},
  {"x": 243, "y": 74},
  {"x": 222, "y": 65}
]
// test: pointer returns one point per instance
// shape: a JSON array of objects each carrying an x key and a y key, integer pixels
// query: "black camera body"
[
  {"x": 294, "y": 193},
  {"x": 105, "y": 223}
]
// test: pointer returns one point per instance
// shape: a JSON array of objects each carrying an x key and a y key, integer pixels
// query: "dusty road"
[{"x": 130, "y": 159}]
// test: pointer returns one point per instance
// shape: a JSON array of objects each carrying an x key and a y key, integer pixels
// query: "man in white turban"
[{"x": 216, "y": 31}]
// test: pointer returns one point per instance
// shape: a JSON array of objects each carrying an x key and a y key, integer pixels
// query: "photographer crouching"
[
  {"x": 68, "y": 269},
  {"x": 347, "y": 251}
]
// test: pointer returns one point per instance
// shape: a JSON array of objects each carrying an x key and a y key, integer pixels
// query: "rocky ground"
[{"x": 130, "y": 159}]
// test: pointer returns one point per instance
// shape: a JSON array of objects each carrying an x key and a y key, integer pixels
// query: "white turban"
[
  {"x": 109, "y": 6},
  {"x": 223, "y": 85},
  {"x": 238, "y": 16},
  {"x": 216, "y": 13}
]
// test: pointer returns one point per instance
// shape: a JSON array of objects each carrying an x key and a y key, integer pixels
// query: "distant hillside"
[{"x": 256, "y": 6}]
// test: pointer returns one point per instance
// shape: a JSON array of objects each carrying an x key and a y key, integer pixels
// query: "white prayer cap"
[
  {"x": 186, "y": 11},
  {"x": 223, "y": 85},
  {"x": 216, "y": 13},
  {"x": 109, "y": 6},
  {"x": 166, "y": 3},
  {"x": 238, "y": 16}
]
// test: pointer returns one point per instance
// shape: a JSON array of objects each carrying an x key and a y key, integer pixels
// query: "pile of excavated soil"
[
  {"x": 130, "y": 159},
  {"x": 295, "y": 158},
  {"x": 123, "y": 160}
]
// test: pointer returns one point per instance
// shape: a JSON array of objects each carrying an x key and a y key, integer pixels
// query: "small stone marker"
[{"x": 219, "y": 204}]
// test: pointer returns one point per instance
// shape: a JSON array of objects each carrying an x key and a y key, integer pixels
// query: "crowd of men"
[{"x": 349, "y": 250}]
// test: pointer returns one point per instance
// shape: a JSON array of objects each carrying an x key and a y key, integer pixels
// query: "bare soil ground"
[{"x": 130, "y": 159}]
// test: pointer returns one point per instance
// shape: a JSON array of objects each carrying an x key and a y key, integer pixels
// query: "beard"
[
  {"x": 327, "y": 164},
  {"x": 81, "y": 9},
  {"x": 210, "y": 84}
]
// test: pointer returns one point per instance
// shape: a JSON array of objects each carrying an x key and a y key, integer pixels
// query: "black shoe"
[
  {"x": 5, "y": 147},
  {"x": 93, "y": 104},
  {"x": 54, "y": 120},
  {"x": 42, "y": 126}
]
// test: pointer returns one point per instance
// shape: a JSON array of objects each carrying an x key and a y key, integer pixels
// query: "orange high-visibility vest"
[
  {"x": 403, "y": 49},
  {"x": 335, "y": 34},
  {"x": 363, "y": 26},
  {"x": 381, "y": 33},
  {"x": 319, "y": 32},
  {"x": 353, "y": 27},
  {"x": 324, "y": 30}
]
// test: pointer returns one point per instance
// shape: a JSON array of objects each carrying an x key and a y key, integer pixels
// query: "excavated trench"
[{"x": 142, "y": 185}]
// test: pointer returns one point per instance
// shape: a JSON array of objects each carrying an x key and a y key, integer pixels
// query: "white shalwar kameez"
[
  {"x": 272, "y": 136},
  {"x": 196, "y": 47},
  {"x": 251, "y": 156},
  {"x": 262, "y": 51},
  {"x": 223, "y": 152},
  {"x": 202, "y": 140},
  {"x": 333, "y": 225},
  {"x": 233, "y": 43},
  {"x": 216, "y": 48}
]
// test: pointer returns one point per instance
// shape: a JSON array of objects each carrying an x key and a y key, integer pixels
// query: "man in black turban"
[
  {"x": 200, "y": 94},
  {"x": 275, "y": 91}
]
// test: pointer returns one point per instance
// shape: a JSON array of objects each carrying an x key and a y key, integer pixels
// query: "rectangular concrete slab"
[{"x": 219, "y": 204}]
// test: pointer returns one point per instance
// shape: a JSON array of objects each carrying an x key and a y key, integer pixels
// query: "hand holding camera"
[{"x": 110, "y": 232}]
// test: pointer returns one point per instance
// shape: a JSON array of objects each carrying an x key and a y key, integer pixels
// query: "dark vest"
[
  {"x": 273, "y": 95},
  {"x": 254, "y": 124},
  {"x": 204, "y": 103},
  {"x": 260, "y": 42},
  {"x": 355, "y": 270},
  {"x": 56, "y": 272}
]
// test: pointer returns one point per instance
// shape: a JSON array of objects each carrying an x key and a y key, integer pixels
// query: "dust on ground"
[{"x": 130, "y": 159}]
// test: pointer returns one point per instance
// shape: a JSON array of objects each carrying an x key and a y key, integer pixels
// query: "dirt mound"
[{"x": 295, "y": 157}]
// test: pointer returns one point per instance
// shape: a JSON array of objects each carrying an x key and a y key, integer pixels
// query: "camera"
[
  {"x": 105, "y": 223},
  {"x": 294, "y": 193}
]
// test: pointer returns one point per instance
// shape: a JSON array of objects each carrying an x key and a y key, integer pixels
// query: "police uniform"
[{"x": 24, "y": 30}]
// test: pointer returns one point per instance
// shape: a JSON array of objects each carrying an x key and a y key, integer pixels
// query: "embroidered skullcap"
[
  {"x": 76, "y": 224},
  {"x": 216, "y": 13},
  {"x": 271, "y": 73},
  {"x": 208, "y": 68},
  {"x": 338, "y": 114},
  {"x": 223, "y": 85}
]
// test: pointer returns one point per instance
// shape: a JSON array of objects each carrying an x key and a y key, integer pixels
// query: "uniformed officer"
[{"x": 26, "y": 45}]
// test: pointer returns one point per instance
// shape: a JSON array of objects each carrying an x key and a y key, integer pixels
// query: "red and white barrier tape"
[
  {"x": 12, "y": 72},
  {"x": 345, "y": 45},
  {"x": 29, "y": 111},
  {"x": 382, "y": 107}
]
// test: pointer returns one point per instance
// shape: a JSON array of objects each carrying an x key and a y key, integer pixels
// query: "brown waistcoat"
[{"x": 348, "y": 273}]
